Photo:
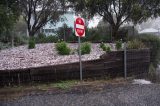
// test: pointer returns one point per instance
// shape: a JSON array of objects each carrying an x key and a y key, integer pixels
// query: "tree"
[
  {"x": 8, "y": 14},
  {"x": 117, "y": 12},
  {"x": 39, "y": 12},
  {"x": 20, "y": 27}
]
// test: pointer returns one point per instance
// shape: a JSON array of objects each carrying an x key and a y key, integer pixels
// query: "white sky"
[{"x": 94, "y": 22}]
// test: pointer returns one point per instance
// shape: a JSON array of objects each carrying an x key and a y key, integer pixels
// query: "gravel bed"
[
  {"x": 110, "y": 95},
  {"x": 43, "y": 55}
]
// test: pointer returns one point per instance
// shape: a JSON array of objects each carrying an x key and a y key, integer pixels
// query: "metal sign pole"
[
  {"x": 80, "y": 61},
  {"x": 125, "y": 60}
]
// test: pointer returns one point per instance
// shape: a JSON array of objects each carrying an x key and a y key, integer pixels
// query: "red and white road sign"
[{"x": 80, "y": 27}]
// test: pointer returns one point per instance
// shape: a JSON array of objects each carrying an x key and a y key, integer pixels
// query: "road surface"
[{"x": 108, "y": 95}]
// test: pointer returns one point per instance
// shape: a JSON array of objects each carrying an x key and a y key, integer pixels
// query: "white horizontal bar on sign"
[{"x": 79, "y": 26}]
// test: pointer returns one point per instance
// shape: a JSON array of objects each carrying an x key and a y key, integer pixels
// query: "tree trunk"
[
  {"x": 12, "y": 37},
  {"x": 31, "y": 34},
  {"x": 114, "y": 32}
]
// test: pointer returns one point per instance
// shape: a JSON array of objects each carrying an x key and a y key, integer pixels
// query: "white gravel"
[
  {"x": 141, "y": 81},
  {"x": 43, "y": 55}
]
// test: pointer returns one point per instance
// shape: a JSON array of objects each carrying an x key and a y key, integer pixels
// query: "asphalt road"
[{"x": 108, "y": 95}]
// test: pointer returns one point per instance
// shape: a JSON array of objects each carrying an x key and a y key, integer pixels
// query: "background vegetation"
[{"x": 152, "y": 42}]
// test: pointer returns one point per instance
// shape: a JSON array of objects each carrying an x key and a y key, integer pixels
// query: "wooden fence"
[{"x": 110, "y": 65}]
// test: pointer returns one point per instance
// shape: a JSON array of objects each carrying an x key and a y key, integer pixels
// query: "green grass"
[
  {"x": 60, "y": 85},
  {"x": 65, "y": 84}
]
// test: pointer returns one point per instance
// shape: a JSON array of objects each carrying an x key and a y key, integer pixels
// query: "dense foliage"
[
  {"x": 7, "y": 38},
  {"x": 119, "y": 45},
  {"x": 85, "y": 48},
  {"x": 4, "y": 45},
  {"x": 43, "y": 11},
  {"x": 62, "y": 48},
  {"x": 9, "y": 13},
  {"x": 104, "y": 47},
  {"x": 98, "y": 34},
  {"x": 135, "y": 44},
  {"x": 152, "y": 42},
  {"x": 64, "y": 32},
  {"x": 31, "y": 43},
  {"x": 117, "y": 12},
  {"x": 41, "y": 38}
]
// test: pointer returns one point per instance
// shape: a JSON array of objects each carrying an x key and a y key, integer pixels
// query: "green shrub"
[
  {"x": 20, "y": 40},
  {"x": 31, "y": 43},
  {"x": 108, "y": 49},
  {"x": 4, "y": 45},
  {"x": 41, "y": 36},
  {"x": 118, "y": 45},
  {"x": 46, "y": 39},
  {"x": 51, "y": 39},
  {"x": 72, "y": 38},
  {"x": 135, "y": 44},
  {"x": 85, "y": 48},
  {"x": 104, "y": 47},
  {"x": 62, "y": 48}
]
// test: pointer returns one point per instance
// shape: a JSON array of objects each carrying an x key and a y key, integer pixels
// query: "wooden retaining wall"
[{"x": 110, "y": 65}]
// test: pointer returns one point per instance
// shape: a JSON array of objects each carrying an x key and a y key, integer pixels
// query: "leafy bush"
[
  {"x": 95, "y": 37},
  {"x": 118, "y": 45},
  {"x": 41, "y": 38},
  {"x": 135, "y": 44},
  {"x": 104, "y": 47},
  {"x": 152, "y": 42},
  {"x": 85, "y": 48},
  {"x": 64, "y": 32},
  {"x": 20, "y": 40},
  {"x": 62, "y": 48},
  {"x": 72, "y": 38},
  {"x": 51, "y": 39},
  {"x": 4, "y": 46},
  {"x": 31, "y": 43},
  {"x": 108, "y": 49}
]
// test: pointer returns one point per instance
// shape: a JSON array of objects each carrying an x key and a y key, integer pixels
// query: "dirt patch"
[{"x": 12, "y": 93}]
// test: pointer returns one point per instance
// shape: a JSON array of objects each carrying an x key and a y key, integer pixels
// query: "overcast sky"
[{"x": 94, "y": 22}]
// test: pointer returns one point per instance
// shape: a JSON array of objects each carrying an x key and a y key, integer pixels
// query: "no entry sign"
[{"x": 80, "y": 27}]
